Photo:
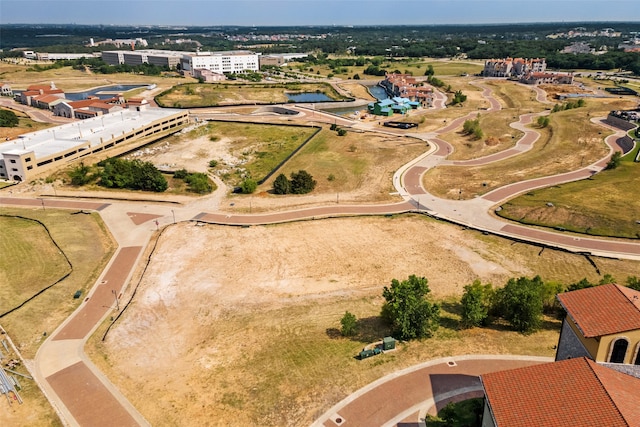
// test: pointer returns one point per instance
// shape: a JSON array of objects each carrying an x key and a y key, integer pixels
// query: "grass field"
[
  {"x": 209, "y": 95},
  {"x": 354, "y": 162},
  {"x": 87, "y": 244},
  {"x": 24, "y": 239},
  {"x": 605, "y": 205},
  {"x": 25, "y": 125},
  {"x": 29, "y": 261},
  {"x": 411, "y": 66},
  {"x": 261, "y": 147},
  {"x": 559, "y": 149}
]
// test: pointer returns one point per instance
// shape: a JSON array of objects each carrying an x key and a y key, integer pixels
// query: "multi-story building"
[
  {"x": 218, "y": 62},
  {"x": 238, "y": 61},
  {"x": 513, "y": 67},
  {"x": 162, "y": 58},
  {"x": 91, "y": 140}
]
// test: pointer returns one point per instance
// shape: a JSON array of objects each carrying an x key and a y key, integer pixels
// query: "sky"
[{"x": 313, "y": 12}]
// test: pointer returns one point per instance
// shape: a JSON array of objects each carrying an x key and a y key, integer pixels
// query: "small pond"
[
  {"x": 101, "y": 92},
  {"x": 308, "y": 97}
]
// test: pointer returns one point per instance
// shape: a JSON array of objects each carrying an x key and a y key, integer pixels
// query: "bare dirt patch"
[{"x": 223, "y": 333}]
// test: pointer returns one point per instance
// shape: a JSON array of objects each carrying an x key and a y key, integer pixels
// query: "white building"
[
  {"x": 238, "y": 61},
  {"x": 36, "y": 152}
]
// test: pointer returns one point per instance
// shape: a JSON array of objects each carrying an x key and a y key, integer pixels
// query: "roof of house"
[
  {"x": 603, "y": 310},
  {"x": 573, "y": 392}
]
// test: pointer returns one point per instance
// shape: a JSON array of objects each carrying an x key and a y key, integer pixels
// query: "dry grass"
[
  {"x": 252, "y": 339},
  {"x": 214, "y": 94},
  {"x": 89, "y": 246},
  {"x": 25, "y": 125},
  {"x": 570, "y": 142},
  {"x": 23, "y": 239},
  {"x": 360, "y": 163},
  {"x": 68, "y": 79}
]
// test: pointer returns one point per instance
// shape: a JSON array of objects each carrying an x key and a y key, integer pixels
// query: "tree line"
[{"x": 522, "y": 302}]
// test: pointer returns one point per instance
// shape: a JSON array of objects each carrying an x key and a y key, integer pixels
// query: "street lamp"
[
  {"x": 174, "y": 215},
  {"x": 41, "y": 202},
  {"x": 115, "y": 296}
]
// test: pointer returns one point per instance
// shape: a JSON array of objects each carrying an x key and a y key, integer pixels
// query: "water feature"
[
  {"x": 101, "y": 92},
  {"x": 308, "y": 97},
  {"x": 378, "y": 92}
]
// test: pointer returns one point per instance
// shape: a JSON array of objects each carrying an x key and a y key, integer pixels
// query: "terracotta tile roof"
[
  {"x": 574, "y": 392},
  {"x": 603, "y": 310}
]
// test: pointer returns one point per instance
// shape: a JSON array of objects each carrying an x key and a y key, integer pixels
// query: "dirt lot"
[{"x": 224, "y": 333}]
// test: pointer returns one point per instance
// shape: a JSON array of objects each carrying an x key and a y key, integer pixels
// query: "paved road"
[
  {"x": 72, "y": 382},
  {"x": 408, "y": 395}
]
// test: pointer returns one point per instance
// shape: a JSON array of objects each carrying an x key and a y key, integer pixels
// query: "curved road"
[{"x": 84, "y": 396}]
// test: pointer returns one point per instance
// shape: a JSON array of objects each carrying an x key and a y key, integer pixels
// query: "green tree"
[
  {"x": 582, "y": 284},
  {"x": 476, "y": 302},
  {"x": 520, "y": 303},
  {"x": 282, "y": 185},
  {"x": 633, "y": 282},
  {"x": 458, "y": 97},
  {"x": 8, "y": 119},
  {"x": 302, "y": 182},
  {"x": 80, "y": 175},
  {"x": 607, "y": 279},
  {"x": 199, "y": 183},
  {"x": 478, "y": 133},
  {"x": 430, "y": 71},
  {"x": 408, "y": 310},
  {"x": 614, "y": 162},
  {"x": 543, "y": 121},
  {"x": 349, "y": 325},
  {"x": 248, "y": 186}
]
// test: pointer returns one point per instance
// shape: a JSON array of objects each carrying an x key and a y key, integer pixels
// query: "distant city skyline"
[{"x": 314, "y": 12}]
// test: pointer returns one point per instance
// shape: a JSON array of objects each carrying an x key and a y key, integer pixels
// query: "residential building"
[
  {"x": 407, "y": 86},
  {"x": 513, "y": 67},
  {"x": 31, "y": 94},
  {"x": 537, "y": 78},
  {"x": 603, "y": 324},
  {"x": 99, "y": 137},
  {"x": 5, "y": 89},
  {"x": 577, "y": 392}
]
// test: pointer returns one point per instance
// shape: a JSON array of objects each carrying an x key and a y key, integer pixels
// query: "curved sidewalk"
[{"x": 408, "y": 395}]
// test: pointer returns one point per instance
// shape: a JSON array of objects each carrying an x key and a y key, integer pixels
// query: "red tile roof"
[
  {"x": 603, "y": 310},
  {"x": 574, "y": 392}
]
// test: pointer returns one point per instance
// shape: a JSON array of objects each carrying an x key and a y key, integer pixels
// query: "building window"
[
  {"x": 637, "y": 361},
  {"x": 619, "y": 350},
  {"x": 12, "y": 160}
]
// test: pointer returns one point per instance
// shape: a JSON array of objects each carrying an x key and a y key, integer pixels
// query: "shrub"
[
  {"x": 80, "y": 175},
  {"x": 213, "y": 163},
  {"x": 342, "y": 132},
  {"x": 132, "y": 174},
  {"x": 8, "y": 119},
  {"x": 349, "y": 325},
  {"x": 281, "y": 185},
  {"x": 180, "y": 174},
  {"x": 199, "y": 183},
  {"x": 302, "y": 182},
  {"x": 248, "y": 186}
]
